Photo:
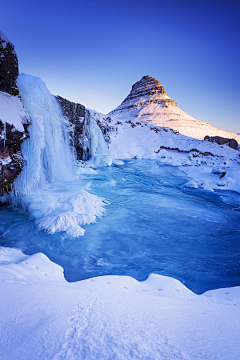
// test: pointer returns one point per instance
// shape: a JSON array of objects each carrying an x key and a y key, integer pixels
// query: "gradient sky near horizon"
[{"x": 93, "y": 51}]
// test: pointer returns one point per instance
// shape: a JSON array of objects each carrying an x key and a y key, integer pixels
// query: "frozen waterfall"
[
  {"x": 49, "y": 188},
  {"x": 47, "y": 152}
]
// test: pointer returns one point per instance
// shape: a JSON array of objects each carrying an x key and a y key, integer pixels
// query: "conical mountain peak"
[
  {"x": 148, "y": 85},
  {"x": 147, "y": 88},
  {"x": 148, "y": 102},
  {"x": 145, "y": 92}
]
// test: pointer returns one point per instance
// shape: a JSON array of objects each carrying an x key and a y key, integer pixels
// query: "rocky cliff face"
[
  {"x": 8, "y": 66},
  {"x": 79, "y": 119},
  {"x": 11, "y": 160},
  {"x": 149, "y": 102},
  {"x": 79, "y": 130},
  {"x": 147, "y": 91},
  {"x": 13, "y": 118}
]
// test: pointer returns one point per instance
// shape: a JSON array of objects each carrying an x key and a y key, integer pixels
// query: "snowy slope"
[
  {"x": 149, "y": 102},
  {"x": 110, "y": 317},
  {"x": 210, "y": 165}
]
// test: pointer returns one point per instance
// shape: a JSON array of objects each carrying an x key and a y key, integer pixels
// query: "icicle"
[{"x": 99, "y": 150}]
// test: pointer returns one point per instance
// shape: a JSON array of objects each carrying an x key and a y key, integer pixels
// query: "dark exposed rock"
[
  {"x": 79, "y": 131},
  {"x": 221, "y": 141},
  {"x": 8, "y": 67},
  {"x": 196, "y": 153},
  {"x": 145, "y": 89},
  {"x": 79, "y": 118},
  {"x": 11, "y": 160},
  {"x": 105, "y": 126}
]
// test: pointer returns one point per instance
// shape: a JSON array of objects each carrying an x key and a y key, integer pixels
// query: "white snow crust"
[
  {"x": 12, "y": 111},
  {"x": 110, "y": 317}
]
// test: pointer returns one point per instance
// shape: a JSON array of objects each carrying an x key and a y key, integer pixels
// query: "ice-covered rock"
[
  {"x": 149, "y": 102},
  {"x": 13, "y": 118},
  {"x": 84, "y": 127},
  {"x": 79, "y": 130},
  {"x": 221, "y": 141}
]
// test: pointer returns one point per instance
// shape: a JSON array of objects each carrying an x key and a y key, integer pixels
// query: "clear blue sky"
[{"x": 92, "y": 51}]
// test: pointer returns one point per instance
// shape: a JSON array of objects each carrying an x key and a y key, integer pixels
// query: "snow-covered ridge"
[{"x": 149, "y": 102}]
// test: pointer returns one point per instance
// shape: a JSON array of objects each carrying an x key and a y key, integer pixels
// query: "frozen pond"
[{"x": 152, "y": 225}]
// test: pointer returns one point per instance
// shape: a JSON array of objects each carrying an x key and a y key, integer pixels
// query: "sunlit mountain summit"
[{"x": 149, "y": 102}]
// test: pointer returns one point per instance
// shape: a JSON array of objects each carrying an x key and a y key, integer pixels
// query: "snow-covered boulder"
[{"x": 221, "y": 141}]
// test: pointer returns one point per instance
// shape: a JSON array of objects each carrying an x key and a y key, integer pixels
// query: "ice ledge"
[{"x": 39, "y": 267}]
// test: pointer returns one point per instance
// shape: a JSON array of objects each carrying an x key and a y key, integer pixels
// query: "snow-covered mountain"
[
  {"x": 211, "y": 166},
  {"x": 149, "y": 102}
]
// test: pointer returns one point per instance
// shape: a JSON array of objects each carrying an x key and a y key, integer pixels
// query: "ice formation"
[{"x": 49, "y": 187}]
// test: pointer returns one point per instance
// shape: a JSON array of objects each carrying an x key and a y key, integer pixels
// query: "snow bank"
[
  {"x": 196, "y": 158},
  {"x": 110, "y": 317},
  {"x": 12, "y": 111}
]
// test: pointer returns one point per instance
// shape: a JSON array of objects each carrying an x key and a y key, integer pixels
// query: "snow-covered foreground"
[{"x": 111, "y": 317}]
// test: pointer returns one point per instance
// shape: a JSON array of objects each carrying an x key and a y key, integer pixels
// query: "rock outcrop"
[
  {"x": 147, "y": 91},
  {"x": 79, "y": 130},
  {"x": 13, "y": 118},
  {"x": 8, "y": 66},
  {"x": 149, "y": 102},
  {"x": 11, "y": 160},
  {"x": 221, "y": 141},
  {"x": 79, "y": 119}
]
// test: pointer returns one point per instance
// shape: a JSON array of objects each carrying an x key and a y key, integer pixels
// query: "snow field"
[{"x": 110, "y": 317}]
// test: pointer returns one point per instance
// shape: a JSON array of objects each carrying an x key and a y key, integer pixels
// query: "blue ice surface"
[{"x": 153, "y": 225}]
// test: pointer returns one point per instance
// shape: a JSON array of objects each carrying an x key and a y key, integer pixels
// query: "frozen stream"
[{"x": 152, "y": 225}]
